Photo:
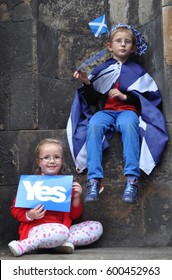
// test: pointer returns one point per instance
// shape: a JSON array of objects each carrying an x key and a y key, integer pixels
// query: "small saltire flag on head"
[{"x": 98, "y": 25}]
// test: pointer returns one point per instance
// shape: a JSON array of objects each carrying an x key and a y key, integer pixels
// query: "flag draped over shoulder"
[{"x": 134, "y": 79}]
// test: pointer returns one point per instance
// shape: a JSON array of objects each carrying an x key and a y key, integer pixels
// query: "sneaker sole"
[
  {"x": 129, "y": 201},
  {"x": 64, "y": 250},
  {"x": 91, "y": 200}
]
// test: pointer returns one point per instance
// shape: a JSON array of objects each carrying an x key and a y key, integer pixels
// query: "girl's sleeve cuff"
[{"x": 28, "y": 218}]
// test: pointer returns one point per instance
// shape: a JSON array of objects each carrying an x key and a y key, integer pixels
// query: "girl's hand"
[
  {"x": 117, "y": 93},
  {"x": 79, "y": 75},
  {"x": 77, "y": 189},
  {"x": 36, "y": 213}
]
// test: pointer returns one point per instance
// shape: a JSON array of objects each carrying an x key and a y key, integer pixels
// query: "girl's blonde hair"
[
  {"x": 122, "y": 29},
  {"x": 38, "y": 150}
]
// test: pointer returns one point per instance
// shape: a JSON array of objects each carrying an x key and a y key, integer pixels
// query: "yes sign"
[{"x": 54, "y": 192}]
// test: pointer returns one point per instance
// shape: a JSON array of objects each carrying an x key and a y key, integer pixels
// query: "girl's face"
[
  {"x": 121, "y": 45},
  {"x": 50, "y": 159}
]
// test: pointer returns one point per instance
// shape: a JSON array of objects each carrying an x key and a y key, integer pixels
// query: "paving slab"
[{"x": 115, "y": 253}]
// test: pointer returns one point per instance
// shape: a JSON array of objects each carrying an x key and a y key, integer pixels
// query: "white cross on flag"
[{"x": 98, "y": 26}]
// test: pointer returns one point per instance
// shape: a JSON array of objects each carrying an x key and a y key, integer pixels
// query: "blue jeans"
[{"x": 125, "y": 122}]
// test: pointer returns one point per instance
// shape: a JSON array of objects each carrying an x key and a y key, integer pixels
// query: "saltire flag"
[
  {"x": 98, "y": 26},
  {"x": 134, "y": 79},
  {"x": 76, "y": 127}
]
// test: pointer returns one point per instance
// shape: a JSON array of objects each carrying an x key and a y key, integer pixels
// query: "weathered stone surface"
[
  {"x": 9, "y": 226},
  {"x": 16, "y": 47},
  {"x": 9, "y": 163},
  {"x": 70, "y": 16},
  {"x": 19, "y": 101},
  {"x": 55, "y": 100},
  {"x": 118, "y": 11},
  {"x": 167, "y": 41},
  {"x": 166, "y": 2},
  {"x": 167, "y": 25}
]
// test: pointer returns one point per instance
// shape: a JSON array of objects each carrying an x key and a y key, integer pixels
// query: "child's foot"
[
  {"x": 93, "y": 188},
  {"x": 66, "y": 248},
  {"x": 131, "y": 192},
  {"x": 15, "y": 248}
]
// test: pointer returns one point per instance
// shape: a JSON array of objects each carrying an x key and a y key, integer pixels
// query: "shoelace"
[
  {"x": 90, "y": 189},
  {"x": 132, "y": 189}
]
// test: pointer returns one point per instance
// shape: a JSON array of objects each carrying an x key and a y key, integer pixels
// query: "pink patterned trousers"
[{"x": 52, "y": 235}]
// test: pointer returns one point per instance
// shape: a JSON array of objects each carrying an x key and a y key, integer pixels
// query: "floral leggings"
[{"x": 52, "y": 235}]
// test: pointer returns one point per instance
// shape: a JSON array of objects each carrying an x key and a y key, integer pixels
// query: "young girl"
[{"x": 41, "y": 228}]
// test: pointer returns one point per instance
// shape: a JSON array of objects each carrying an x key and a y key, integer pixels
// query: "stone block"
[
  {"x": 9, "y": 164},
  {"x": 19, "y": 101},
  {"x": 16, "y": 47},
  {"x": 54, "y": 103}
]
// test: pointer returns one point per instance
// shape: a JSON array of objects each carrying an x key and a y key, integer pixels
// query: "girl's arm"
[
  {"x": 24, "y": 215},
  {"x": 76, "y": 203}
]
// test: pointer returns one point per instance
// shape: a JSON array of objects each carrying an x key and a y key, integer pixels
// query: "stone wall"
[{"x": 42, "y": 43}]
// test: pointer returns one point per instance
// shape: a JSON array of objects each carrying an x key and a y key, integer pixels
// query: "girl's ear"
[
  {"x": 108, "y": 46},
  {"x": 37, "y": 162}
]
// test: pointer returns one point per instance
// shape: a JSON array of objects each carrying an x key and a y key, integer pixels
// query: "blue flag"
[{"x": 98, "y": 26}]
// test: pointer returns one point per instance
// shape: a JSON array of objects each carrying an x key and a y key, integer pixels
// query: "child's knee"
[
  {"x": 57, "y": 230},
  {"x": 100, "y": 228}
]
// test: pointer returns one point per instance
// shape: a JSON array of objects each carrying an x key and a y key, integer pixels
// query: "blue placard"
[{"x": 54, "y": 192}]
